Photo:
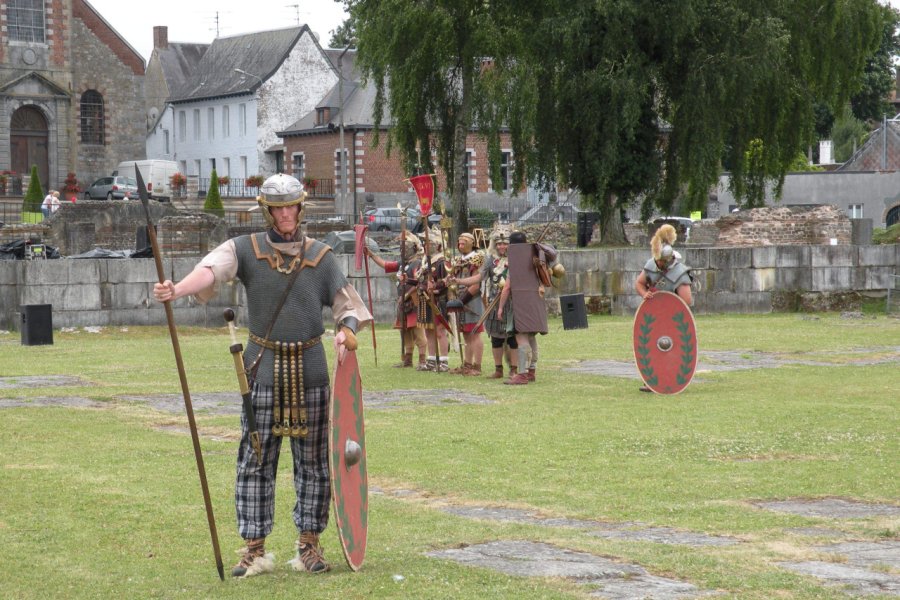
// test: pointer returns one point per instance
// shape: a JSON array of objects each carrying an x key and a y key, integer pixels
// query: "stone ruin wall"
[
  {"x": 782, "y": 226},
  {"x": 121, "y": 226}
]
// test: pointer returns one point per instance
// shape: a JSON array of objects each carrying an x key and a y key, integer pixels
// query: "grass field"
[{"x": 105, "y": 502}]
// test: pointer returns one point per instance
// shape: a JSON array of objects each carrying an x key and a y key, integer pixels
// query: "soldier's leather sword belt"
[
  {"x": 270, "y": 345},
  {"x": 290, "y": 414}
]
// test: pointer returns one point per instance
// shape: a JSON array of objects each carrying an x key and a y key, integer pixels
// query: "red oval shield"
[
  {"x": 347, "y": 460},
  {"x": 665, "y": 343}
]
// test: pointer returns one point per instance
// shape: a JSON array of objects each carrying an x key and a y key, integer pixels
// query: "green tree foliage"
[
  {"x": 847, "y": 135},
  {"x": 619, "y": 99},
  {"x": 344, "y": 35},
  {"x": 213, "y": 203},
  {"x": 713, "y": 80},
  {"x": 424, "y": 59},
  {"x": 34, "y": 195},
  {"x": 870, "y": 101}
]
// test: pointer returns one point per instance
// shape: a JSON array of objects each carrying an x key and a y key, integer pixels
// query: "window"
[
  {"x": 505, "y": 170},
  {"x": 92, "y": 125},
  {"x": 197, "y": 167},
  {"x": 226, "y": 126},
  {"x": 166, "y": 140},
  {"x": 197, "y": 124},
  {"x": 244, "y": 172},
  {"x": 211, "y": 123},
  {"x": 212, "y": 166},
  {"x": 182, "y": 166},
  {"x": 323, "y": 115},
  {"x": 297, "y": 166},
  {"x": 226, "y": 167},
  {"x": 856, "y": 211},
  {"x": 242, "y": 120},
  {"x": 25, "y": 21},
  {"x": 182, "y": 126}
]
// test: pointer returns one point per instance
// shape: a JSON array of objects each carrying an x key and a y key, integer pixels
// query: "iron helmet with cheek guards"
[{"x": 278, "y": 191}]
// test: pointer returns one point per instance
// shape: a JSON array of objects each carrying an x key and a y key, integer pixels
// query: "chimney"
[{"x": 160, "y": 37}]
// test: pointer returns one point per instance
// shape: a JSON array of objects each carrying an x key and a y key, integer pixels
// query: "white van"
[{"x": 157, "y": 175}]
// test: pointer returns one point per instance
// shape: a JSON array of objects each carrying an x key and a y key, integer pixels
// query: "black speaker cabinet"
[
  {"x": 574, "y": 315},
  {"x": 37, "y": 324}
]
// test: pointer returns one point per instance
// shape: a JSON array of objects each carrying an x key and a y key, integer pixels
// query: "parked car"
[
  {"x": 388, "y": 219},
  {"x": 112, "y": 188},
  {"x": 157, "y": 175}
]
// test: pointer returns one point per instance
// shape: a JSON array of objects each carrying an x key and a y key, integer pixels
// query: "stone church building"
[{"x": 71, "y": 92}]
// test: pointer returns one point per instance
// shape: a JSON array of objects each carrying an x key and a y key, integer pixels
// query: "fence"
[{"x": 238, "y": 188}]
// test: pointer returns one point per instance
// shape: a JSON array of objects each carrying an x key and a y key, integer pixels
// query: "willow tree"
[
  {"x": 425, "y": 59},
  {"x": 618, "y": 99},
  {"x": 642, "y": 97}
]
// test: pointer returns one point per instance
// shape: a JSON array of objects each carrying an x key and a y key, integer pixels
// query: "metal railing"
[{"x": 238, "y": 188}]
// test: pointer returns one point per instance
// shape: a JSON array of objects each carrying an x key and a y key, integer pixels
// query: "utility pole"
[{"x": 343, "y": 150}]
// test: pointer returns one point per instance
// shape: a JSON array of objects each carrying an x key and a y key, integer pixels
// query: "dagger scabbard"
[{"x": 237, "y": 352}]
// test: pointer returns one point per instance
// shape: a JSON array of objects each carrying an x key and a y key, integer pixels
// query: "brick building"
[
  {"x": 312, "y": 149},
  {"x": 71, "y": 92}
]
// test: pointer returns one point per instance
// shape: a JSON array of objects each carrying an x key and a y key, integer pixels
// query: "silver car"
[{"x": 112, "y": 188}]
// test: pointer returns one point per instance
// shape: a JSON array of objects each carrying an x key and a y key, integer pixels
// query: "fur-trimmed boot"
[
  {"x": 254, "y": 559},
  {"x": 473, "y": 371},
  {"x": 498, "y": 372},
  {"x": 530, "y": 375},
  {"x": 310, "y": 555}
]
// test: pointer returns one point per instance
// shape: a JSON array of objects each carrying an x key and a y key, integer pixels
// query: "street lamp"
[{"x": 343, "y": 150}]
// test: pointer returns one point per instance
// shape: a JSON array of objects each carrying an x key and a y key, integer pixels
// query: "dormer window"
[
  {"x": 323, "y": 115},
  {"x": 25, "y": 21}
]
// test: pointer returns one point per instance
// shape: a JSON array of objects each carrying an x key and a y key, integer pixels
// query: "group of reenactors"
[
  {"x": 443, "y": 298},
  {"x": 449, "y": 299}
]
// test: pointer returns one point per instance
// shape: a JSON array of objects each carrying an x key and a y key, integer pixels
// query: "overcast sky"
[{"x": 195, "y": 20}]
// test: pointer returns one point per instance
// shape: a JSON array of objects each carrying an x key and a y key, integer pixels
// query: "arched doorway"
[
  {"x": 28, "y": 145},
  {"x": 893, "y": 217}
]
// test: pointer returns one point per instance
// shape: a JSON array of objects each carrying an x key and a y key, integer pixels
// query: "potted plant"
[
  {"x": 178, "y": 181},
  {"x": 310, "y": 184},
  {"x": 254, "y": 181},
  {"x": 70, "y": 185}
]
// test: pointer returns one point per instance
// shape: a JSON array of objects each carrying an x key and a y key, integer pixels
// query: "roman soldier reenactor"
[
  {"x": 407, "y": 297},
  {"x": 289, "y": 278},
  {"x": 468, "y": 305}
]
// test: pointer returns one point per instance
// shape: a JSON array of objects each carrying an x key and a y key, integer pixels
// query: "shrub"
[
  {"x": 34, "y": 196},
  {"x": 481, "y": 217},
  {"x": 891, "y": 235},
  {"x": 213, "y": 204}
]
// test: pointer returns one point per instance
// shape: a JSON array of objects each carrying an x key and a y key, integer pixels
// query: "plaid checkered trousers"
[{"x": 254, "y": 490}]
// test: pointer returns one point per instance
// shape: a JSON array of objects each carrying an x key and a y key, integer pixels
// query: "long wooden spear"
[
  {"x": 173, "y": 333},
  {"x": 360, "y": 238}
]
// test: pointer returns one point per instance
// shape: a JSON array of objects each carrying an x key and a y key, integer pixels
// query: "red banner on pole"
[{"x": 424, "y": 186}]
